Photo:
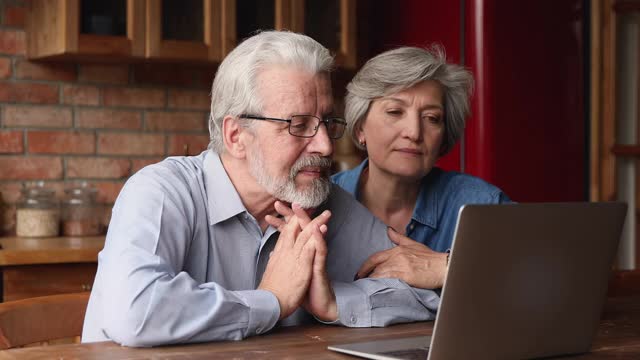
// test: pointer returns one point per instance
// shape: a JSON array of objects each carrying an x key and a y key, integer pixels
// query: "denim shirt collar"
[{"x": 426, "y": 210}]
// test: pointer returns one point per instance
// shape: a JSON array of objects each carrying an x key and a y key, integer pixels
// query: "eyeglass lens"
[{"x": 307, "y": 125}]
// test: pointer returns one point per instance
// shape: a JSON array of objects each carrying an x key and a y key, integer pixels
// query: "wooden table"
[
  {"x": 618, "y": 337},
  {"x": 45, "y": 266}
]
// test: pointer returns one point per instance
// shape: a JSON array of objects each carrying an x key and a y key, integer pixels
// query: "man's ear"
[{"x": 231, "y": 135}]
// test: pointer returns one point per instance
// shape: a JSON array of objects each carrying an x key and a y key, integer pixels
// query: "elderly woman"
[{"x": 406, "y": 108}]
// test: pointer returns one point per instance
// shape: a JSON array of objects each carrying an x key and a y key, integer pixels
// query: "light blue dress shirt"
[
  {"x": 442, "y": 194},
  {"x": 183, "y": 258}
]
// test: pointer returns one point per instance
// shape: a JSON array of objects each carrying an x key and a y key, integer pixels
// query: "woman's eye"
[
  {"x": 433, "y": 119},
  {"x": 394, "y": 112}
]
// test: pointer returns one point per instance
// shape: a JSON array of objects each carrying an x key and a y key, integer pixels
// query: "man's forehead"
[{"x": 279, "y": 85}]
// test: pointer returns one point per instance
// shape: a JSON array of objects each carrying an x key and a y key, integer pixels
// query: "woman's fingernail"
[{"x": 391, "y": 227}]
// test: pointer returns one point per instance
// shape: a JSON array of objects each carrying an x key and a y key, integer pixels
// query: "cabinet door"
[
  {"x": 242, "y": 18},
  {"x": 27, "y": 281},
  {"x": 77, "y": 29},
  {"x": 330, "y": 22},
  {"x": 183, "y": 30}
]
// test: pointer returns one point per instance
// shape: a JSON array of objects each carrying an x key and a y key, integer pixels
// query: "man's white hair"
[{"x": 234, "y": 90}]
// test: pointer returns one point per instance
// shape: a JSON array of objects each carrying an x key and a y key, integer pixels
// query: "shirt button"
[
  {"x": 353, "y": 319},
  {"x": 412, "y": 226}
]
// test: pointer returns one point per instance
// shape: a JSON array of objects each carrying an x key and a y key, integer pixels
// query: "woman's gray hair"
[
  {"x": 234, "y": 90},
  {"x": 399, "y": 69}
]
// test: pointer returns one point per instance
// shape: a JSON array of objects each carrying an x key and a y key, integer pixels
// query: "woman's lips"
[{"x": 410, "y": 151}]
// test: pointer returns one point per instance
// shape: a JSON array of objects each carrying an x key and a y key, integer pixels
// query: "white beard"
[{"x": 285, "y": 188}]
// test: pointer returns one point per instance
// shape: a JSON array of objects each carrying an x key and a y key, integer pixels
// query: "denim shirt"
[{"x": 441, "y": 196}]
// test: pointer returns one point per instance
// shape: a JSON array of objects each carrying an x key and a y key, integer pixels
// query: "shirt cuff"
[
  {"x": 354, "y": 308},
  {"x": 264, "y": 310}
]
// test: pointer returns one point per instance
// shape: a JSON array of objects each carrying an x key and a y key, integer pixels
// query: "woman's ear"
[
  {"x": 233, "y": 142},
  {"x": 362, "y": 140}
]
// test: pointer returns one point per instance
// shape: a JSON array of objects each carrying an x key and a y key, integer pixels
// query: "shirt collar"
[
  {"x": 352, "y": 179},
  {"x": 223, "y": 200},
  {"x": 426, "y": 209}
]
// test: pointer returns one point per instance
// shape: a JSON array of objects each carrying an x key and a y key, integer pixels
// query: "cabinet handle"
[{"x": 86, "y": 287}]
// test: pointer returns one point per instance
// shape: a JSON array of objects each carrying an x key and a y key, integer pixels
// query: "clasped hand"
[
  {"x": 296, "y": 271},
  {"x": 410, "y": 261}
]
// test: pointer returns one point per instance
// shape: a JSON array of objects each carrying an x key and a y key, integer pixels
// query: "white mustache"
[{"x": 311, "y": 161}]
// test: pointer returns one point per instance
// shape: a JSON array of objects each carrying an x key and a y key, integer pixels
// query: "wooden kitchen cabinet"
[
  {"x": 85, "y": 29},
  {"x": 33, "y": 267},
  {"x": 184, "y": 30},
  {"x": 330, "y": 22}
]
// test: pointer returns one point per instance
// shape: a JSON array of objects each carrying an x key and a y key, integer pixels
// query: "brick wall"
[{"x": 63, "y": 122}]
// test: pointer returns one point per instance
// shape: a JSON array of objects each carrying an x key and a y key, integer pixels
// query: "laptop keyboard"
[{"x": 408, "y": 354}]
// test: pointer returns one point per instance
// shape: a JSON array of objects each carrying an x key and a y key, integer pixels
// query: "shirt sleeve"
[
  {"x": 148, "y": 298},
  {"x": 354, "y": 235},
  {"x": 382, "y": 302}
]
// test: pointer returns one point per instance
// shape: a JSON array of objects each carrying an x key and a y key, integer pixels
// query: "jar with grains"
[
  {"x": 38, "y": 213},
  {"x": 80, "y": 215}
]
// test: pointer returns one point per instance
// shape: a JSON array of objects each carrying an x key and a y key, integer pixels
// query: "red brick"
[
  {"x": 5, "y": 68},
  {"x": 108, "y": 119},
  {"x": 10, "y": 192},
  {"x": 104, "y": 74},
  {"x": 187, "y": 144},
  {"x": 45, "y": 71},
  {"x": 130, "y": 144},
  {"x": 97, "y": 168},
  {"x": 11, "y": 142},
  {"x": 30, "y": 168},
  {"x": 80, "y": 95},
  {"x": 14, "y": 16},
  {"x": 137, "y": 164},
  {"x": 29, "y": 93},
  {"x": 61, "y": 142},
  {"x": 189, "y": 99},
  {"x": 175, "y": 121},
  {"x": 36, "y": 116},
  {"x": 108, "y": 191},
  {"x": 141, "y": 98},
  {"x": 12, "y": 42},
  {"x": 163, "y": 74}
]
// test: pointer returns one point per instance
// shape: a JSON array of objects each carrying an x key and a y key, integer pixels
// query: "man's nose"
[{"x": 321, "y": 143}]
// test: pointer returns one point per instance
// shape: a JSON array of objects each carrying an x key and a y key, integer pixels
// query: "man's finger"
[
  {"x": 288, "y": 234},
  {"x": 301, "y": 214},
  {"x": 276, "y": 222},
  {"x": 399, "y": 239},
  {"x": 373, "y": 261},
  {"x": 283, "y": 210}
]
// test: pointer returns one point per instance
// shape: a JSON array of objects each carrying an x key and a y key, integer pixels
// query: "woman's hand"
[{"x": 410, "y": 261}]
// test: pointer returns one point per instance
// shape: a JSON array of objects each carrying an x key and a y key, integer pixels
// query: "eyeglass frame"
[{"x": 326, "y": 121}]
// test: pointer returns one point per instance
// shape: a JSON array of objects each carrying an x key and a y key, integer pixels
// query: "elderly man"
[{"x": 196, "y": 250}]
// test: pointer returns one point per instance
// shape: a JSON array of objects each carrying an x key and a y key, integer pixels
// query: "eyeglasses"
[{"x": 306, "y": 126}]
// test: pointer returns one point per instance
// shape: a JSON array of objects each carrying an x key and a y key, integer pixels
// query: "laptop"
[{"x": 524, "y": 281}]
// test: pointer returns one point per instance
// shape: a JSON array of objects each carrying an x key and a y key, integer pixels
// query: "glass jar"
[
  {"x": 80, "y": 216},
  {"x": 38, "y": 213}
]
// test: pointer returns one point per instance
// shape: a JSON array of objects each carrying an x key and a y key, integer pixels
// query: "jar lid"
[
  {"x": 80, "y": 193},
  {"x": 37, "y": 189}
]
